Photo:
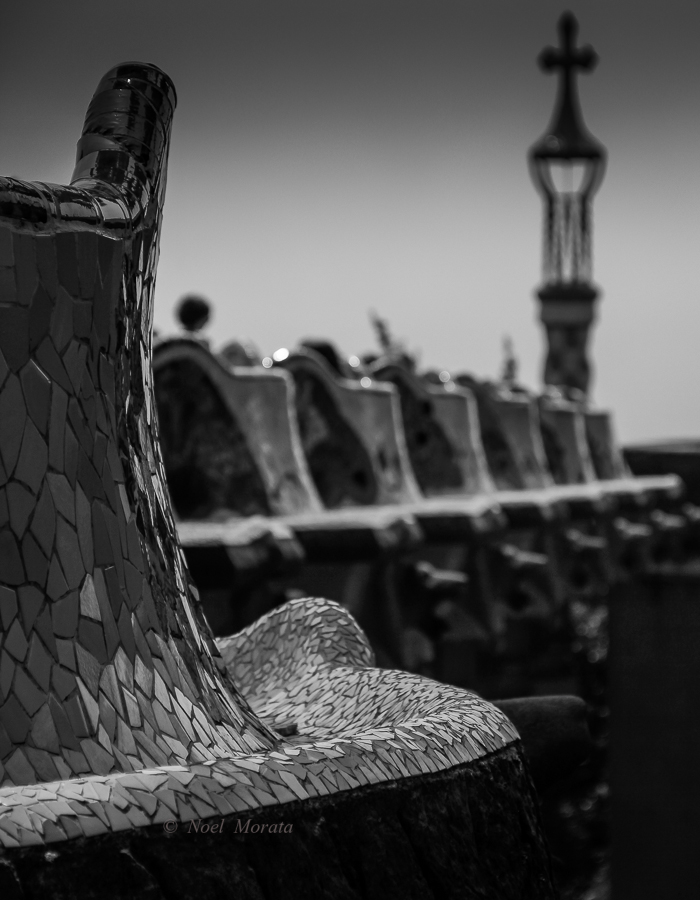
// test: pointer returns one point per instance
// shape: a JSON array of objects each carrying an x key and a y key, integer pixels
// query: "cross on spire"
[
  {"x": 567, "y": 58},
  {"x": 567, "y": 137}
]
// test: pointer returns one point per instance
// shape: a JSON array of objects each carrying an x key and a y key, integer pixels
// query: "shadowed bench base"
[{"x": 472, "y": 831}]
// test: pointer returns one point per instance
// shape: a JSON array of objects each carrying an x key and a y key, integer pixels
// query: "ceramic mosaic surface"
[{"x": 116, "y": 707}]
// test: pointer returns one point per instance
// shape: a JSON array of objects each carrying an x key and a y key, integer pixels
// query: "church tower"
[{"x": 567, "y": 166}]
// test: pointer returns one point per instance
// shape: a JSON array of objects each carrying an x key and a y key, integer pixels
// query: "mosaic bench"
[
  {"x": 252, "y": 413},
  {"x": 597, "y": 539},
  {"x": 124, "y": 738},
  {"x": 641, "y": 503},
  {"x": 229, "y": 438},
  {"x": 669, "y": 491},
  {"x": 371, "y": 411}
]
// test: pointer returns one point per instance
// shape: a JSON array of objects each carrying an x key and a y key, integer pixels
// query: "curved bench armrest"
[{"x": 302, "y": 634}]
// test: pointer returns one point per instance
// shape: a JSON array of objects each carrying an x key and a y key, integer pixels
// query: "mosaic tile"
[
  {"x": 21, "y": 503},
  {"x": 13, "y": 415},
  {"x": 109, "y": 678}
]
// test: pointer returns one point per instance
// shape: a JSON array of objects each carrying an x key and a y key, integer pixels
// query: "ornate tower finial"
[
  {"x": 567, "y": 164},
  {"x": 509, "y": 373}
]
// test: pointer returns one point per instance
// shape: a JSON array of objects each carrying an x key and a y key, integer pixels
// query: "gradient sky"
[{"x": 333, "y": 157}]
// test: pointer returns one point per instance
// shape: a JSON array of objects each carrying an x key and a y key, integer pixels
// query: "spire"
[
  {"x": 567, "y": 136},
  {"x": 567, "y": 166}
]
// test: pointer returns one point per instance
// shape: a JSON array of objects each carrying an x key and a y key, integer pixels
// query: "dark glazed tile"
[
  {"x": 57, "y": 585},
  {"x": 7, "y": 257},
  {"x": 110, "y": 687},
  {"x": 89, "y": 605},
  {"x": 31, "y": 600},
  {"x": 110, "y": 488},
  {"x": 8, "y": 286},
  {"x": 39, "y": 317},
  {"x": 89, "y": 669},
  {"x": 83, "y": 516},
  {"x": 78, "y": 764},
  {"x": 74, "y": 361},
  {"x": 16, "y": 642},
  {"x": 7, "y": 673},
  {"x": 70, "y": 456},
  {"x": 46, "y": 261},
  {"x": 39, "y": 663},
  {"x": 4, "y": 369},
  {"x": 76, "y": 716},
  {"x": 79, "y": 426},
  {"x": 44, "y": 522},
  {"x": 69, "y": 554},
  {"x": 91, "y": 636},
  {"x": 35, "y": 562},
  {"x": 15, "y": 720},
  {"x": 62, "y": 321},
  {"x": 44, "y": 627},
  {"x": 21, "y": 503},
  {"x": 82, "y": 318},
  {"x": 115, "y": 540},
  {"x": 48, "y": 358},
  {"x": 20, "y": 769},
  {"x": 33, "y": 457},
  {"x": 99, "y": 760},
  {"x": 61, "y": 722},
  {"x": 59, "y": 408},
  {"x": 108, "y": 717},
  {"x": 14, "y": 336},
  {"x": 8, "y": 606},
  {"x": 107, "y": 376},
  {"x": 100, "y": 452},
  {"x": 113, "y": 590},
  {"x": 36, "y": 388},
  {"x": 13, "y": 416},
  {"x": 63, "y": 682},
  {"x": 133, "y": 580},
  {"x": 27, "y": 692},
  {"x": 87, "y": 263},
  {"x": 10, "y": 560},
  {"x": 67, "y": 256},
  {"x": 88, "y": 478},
  {"x": 109, "y": 625},
  {"x": 25, "y": 267},
  {"x": 126, "y": 633},
  {"x": 66, "y": 654},
  {"x": 134, "y": 545},
  {"x": 45, "y": 768},
  {"x": 63, "y": 495},
  {"x": 104, "y": 555},
  {"x": 64, "y": 616}
]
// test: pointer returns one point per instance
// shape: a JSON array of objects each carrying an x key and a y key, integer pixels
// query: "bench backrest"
[
  {"x": 512, "y": 438},
  {"x": 352, "y": 435},
  {"x": 442, "y": 431},
  {"x": 606, "y": 455},
  {"x": 229, "y": 435},
  {"x": 566, "y": 444}
]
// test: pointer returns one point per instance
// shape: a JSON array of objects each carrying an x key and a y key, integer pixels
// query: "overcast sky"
[{"x": 338, "y": 156}]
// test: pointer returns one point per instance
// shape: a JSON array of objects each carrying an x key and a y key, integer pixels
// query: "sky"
[{"x": 332, "y": 157}]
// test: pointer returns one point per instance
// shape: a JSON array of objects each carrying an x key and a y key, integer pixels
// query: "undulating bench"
[{"x": 126, "y": 734}]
